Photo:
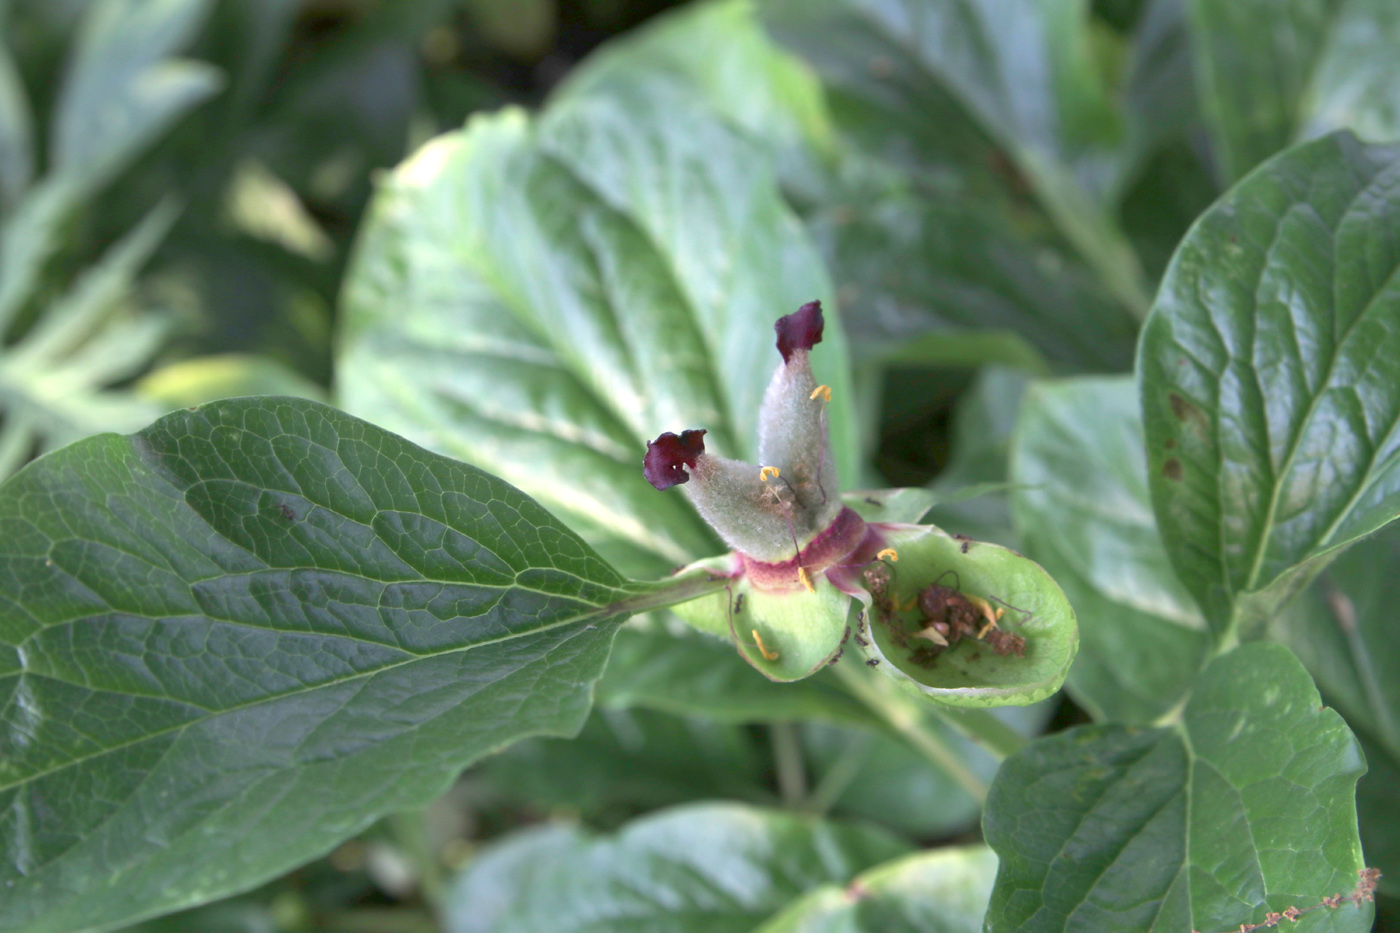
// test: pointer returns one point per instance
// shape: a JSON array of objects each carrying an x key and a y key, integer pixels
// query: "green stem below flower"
[{"x": 905, "y": 716}]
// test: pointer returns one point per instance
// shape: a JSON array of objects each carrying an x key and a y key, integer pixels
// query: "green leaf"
[
  {"x": 704, "y": 868},
  {"x": 972, "y": 486},
  {"x": 970, "y": 673},
  {"x": 936, "y": 278},
  {"x": 1270, "y": 382},
  {"x": 1343, "y": 629},
  {"x": 203, "y": 379},
  {"x": 1355, "y": 84},
  {"x": 942, "y": 891},
  {"x": 626, "y": 761},
  {"x": 1081, "y": 506},
  {"x": 16, "y": 133},
  {"x": 1246, "y": 806},
  {"x": 1020, "y": 75},
  {"x": 1316, "y": 66},
  {"x": 543, "y": 297},
  {"x": 867, "y": 775},
  {"x": 719, "y": 53},
  {"x": 54, "y": 381},
  {"x": 122, "y": 89},
  {"x": 662, "y": 665},
  {"x": 235, "y": 639}
]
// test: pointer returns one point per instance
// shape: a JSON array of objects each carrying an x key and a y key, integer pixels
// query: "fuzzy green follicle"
[{"x": 769, "y": 511}]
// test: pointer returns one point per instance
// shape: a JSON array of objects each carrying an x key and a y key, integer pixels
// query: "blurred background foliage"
[{"x": 182, "y": 182}]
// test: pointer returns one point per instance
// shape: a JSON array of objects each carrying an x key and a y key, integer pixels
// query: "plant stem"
[
  {"x": 787, "y": 762},
  {"x": 840, "y": 775},
  {"x": 650, "y": 596},
  {"x": 905, "y": 716}
]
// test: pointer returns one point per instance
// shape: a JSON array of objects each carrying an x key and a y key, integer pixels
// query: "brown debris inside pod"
[{"x": 946, "y": 616}]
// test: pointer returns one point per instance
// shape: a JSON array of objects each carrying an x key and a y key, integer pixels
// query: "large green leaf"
[
  {"x": 543, "y": 297},
  {"x": 941, "y": 891},
  {"x": 1271, "y": 70},
  {"x": 1081, "y": 506},
  {"x": 706, "y": 868},
  {"x": 1244, "y": 807},
  {"x": 238, "y": 637},
  {"x": 1344, "y": 630},
  {"x": 1270, "y": 372},
  {"x": 718, "y": 52},
  {"x": 937, "y": 278},
  {"x": 962, "y": 73}
]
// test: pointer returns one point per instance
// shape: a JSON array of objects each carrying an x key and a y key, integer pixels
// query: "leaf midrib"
[{"x": 1280, "y": 475}]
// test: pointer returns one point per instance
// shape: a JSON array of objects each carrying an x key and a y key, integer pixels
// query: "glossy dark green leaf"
[
  {"x": 1082, "y": 511},
  {"x": 235, "y": 639},
  {"x": 1343, "y": 628},
  {"x": 1270, "y": 373},
  {"x": 1246, "y": 806},
  {"x": 962, "y": 73},
  {"x": 543, "y": 297},
  {"x": 940, "y": 891},
  {"x": 706, "y": 868},
  {"x": 1271, "y": 70}
]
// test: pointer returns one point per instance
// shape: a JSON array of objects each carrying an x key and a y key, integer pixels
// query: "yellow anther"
[
  {"x": 823, "y": 391},
  {"x": 889, "y": 552},
  {"x": 806, "y": 580},
  {"x": 767, "y": 655},
  {"x": 985, "y": 607},
  {"x": 766, "y": 473}
]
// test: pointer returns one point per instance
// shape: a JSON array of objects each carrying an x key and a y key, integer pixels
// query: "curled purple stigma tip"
[
  {"x": 800, "y": 330},
  {"x": 669, "y": 453}
]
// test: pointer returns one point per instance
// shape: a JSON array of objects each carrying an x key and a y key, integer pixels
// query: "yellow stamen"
[
  {"x": 823, "y": 391},
  {"x": 987, "y": 613},
  {"x": 889, "y": 552},
  {"x": 806, "y": 580},
  {"x": 767, "y": 655},
  {"x": 767, "y": 472}
]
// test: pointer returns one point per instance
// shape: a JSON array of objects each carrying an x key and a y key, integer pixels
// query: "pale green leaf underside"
[
  {"x": 703, "y": 868},
  {"x": 939, "y": 891},
  {"x": 238, "y": 637}
]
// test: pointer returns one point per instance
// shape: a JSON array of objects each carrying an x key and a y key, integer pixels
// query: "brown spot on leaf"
[
  {"x": 1172, "y": 469},
  {"x": 1189, "y": 413},
  {"x": 1171, "y": 443}
]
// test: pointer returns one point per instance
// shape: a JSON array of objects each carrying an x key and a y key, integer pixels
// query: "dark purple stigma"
[
  {"x": 800, "y": 330},
  {"x": 668, "y": 453}
]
